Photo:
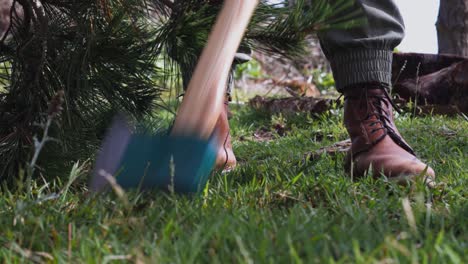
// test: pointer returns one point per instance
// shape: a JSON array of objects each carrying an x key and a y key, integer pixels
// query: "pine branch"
[{"x": 101, "y": 59}]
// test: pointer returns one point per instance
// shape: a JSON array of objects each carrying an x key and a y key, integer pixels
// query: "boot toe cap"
[{"x": 400, "y": 167}]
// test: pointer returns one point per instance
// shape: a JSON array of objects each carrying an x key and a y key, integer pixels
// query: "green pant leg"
[{"x": 364, "y": 54}]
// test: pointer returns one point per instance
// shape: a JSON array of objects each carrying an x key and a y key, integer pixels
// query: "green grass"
[{"x": 274, "y": 208}]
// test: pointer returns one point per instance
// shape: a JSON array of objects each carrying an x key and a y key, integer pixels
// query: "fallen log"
[
  {"x": 405, "y": 65},
  {"x": 432, "y": 80},
  {"x": 291, "y": 105}
]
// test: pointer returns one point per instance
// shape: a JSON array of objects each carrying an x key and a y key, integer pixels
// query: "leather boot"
[
  {"x": 376, "y": 142},
  {"x": 225, "y": 159}
]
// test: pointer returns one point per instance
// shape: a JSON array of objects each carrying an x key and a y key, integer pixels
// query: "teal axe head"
[{"x": 147, "y": 161}]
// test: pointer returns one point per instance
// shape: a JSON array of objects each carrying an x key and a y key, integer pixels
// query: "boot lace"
[{"x": 382, "y": 113}]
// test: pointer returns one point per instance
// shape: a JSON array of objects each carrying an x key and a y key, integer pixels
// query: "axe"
[{"x": 183, "y": 159}]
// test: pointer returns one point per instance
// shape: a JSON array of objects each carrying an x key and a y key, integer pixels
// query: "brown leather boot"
[
  {"x": 376, "y": 142},
  {"x": 225, "y": 160}
]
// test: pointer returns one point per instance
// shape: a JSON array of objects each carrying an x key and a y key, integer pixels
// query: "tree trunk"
[{"x": 452, "y": 27}]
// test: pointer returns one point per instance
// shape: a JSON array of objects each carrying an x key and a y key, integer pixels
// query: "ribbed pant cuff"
[{"x": 362, "y": 66}]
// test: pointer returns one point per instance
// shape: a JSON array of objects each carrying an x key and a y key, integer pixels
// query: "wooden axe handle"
[{"x": 205, "y": 94}]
